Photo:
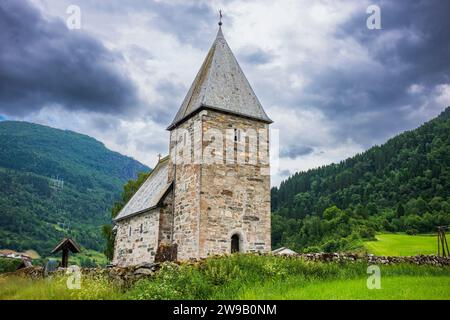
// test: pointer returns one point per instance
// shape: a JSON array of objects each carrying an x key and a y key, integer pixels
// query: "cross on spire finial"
[{"x": 220, "y": 18}]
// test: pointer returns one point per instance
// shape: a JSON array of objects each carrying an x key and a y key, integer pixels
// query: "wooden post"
[
  {"x": 65, "y": 258},
  {"x": 442, "y": 245},
  {"x": 446, "y": 244},
  {"x": 66, "y": 245},
  {"x": 439, "y": 241},
  {"x": 442, "y": 242}
]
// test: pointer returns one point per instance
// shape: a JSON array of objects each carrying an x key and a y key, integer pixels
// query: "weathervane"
[{"x": 220, "y": 18}]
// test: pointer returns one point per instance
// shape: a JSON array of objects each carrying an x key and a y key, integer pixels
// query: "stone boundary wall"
[
  {"x": 125, "y": 277},
  {"x": 122, "y": 277},
  {"x": 372, "y": 259}
]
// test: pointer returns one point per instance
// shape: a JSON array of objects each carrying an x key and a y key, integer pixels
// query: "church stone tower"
[
  {"x": 219, "y": 162},
  {"x": 211, "y": 195}
]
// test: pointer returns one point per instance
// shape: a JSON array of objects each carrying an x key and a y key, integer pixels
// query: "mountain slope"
[
  {"x": 403, "y": 185},
  {"x": 55, "y": 182}
]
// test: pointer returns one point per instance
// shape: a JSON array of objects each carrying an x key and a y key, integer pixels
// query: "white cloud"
[
  {"x": 305, "y": 41},
  {"x": 443, "y": 94},
  {"x": 415, "y": 88},
  {"x": 309, "y": 127}
]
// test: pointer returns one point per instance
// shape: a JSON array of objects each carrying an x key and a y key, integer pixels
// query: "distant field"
[
  {"x": 95, "y": 256},
  {"x": 392, "y": 287},
  {"x": 390, "y": 244}
]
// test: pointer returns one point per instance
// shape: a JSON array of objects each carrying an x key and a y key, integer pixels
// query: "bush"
[
  {"x": 366, "y": 232},
  {"x": 9, "y": 264},
  {"x": 172, "y": 282},
  {"x": 223, "y": 277},
  {"x": 412, "y": 232}
]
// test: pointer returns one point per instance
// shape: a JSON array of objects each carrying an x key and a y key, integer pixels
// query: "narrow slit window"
[{"x": 237, "y": 135}]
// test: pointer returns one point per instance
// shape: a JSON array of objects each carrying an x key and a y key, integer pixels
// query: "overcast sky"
[{"x": 333, "y": 87}]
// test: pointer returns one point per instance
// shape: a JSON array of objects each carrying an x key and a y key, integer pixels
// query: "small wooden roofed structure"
[{"x": 66, "y": 245}]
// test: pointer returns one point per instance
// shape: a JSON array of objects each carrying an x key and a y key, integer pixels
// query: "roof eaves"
[
  {"x": 160, "y": 162},
  {"x": 206, "y": 107},
  {"x": 161, "y": 198},
  {"x": 70, "y": 240}
]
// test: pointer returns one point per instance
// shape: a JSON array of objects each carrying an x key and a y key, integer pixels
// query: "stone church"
[{"x": 211, "y": 194}]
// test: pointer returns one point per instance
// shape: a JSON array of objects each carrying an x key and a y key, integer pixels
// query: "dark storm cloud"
[
  {"x": 105, "y": 124},
  {"x": 253, "y": 55},
  {"x": 172, "y": 94},
  {"x": 42, "y": 63},
  {"x": 370, "y": 102},
  {"x": 189, "y": 22},
  {"x": 150, "y": 145},
  {"x": 285, "y": 173},
  {"x": 295, "y": 151},
  {"x": 413, "y": 47}
]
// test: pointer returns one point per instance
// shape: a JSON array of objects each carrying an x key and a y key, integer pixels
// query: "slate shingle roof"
[
  {"x": 150, "y": 193},
  {"x": 221, "y": 85}
]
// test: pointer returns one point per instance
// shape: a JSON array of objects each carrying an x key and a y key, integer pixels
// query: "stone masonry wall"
[
  {"x": 166, "y": 220},
  {"x": 137, "y": 239},
  {"x": 186, "y": 177},
  {"x": 214, "y": 201},
  {"x": 235, "y": 198}
]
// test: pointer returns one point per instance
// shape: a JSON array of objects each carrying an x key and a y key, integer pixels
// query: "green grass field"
[
  {"x": 249, "y": 277},
  {"x": 95, "y": 256},
  {"x": 392, "y": 288},
  {"x": 390, "y": 244}
]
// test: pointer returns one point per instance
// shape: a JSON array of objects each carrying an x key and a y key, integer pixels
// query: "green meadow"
[
  {"x": 248, "y": 277},
  {"x": 396, "y": 244},
  {"x": 419, "y": 287}
]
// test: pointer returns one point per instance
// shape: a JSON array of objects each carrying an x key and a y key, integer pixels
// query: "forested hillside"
[
  {"x": 403, "y": 185},
  {"x": 55, "y": 183}
]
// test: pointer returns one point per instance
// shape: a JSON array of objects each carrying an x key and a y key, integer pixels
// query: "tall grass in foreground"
[
  {"x": 250, "y": 277},
  {"x": 392, "y": 287},
  {"x": 269, "y": 277},
  {"x": 55, "y": 288}
]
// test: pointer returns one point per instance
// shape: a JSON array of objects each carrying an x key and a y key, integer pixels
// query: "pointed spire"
[
  {"x": 219, "y": 33},
  {"x": 221, "y": 85}
]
